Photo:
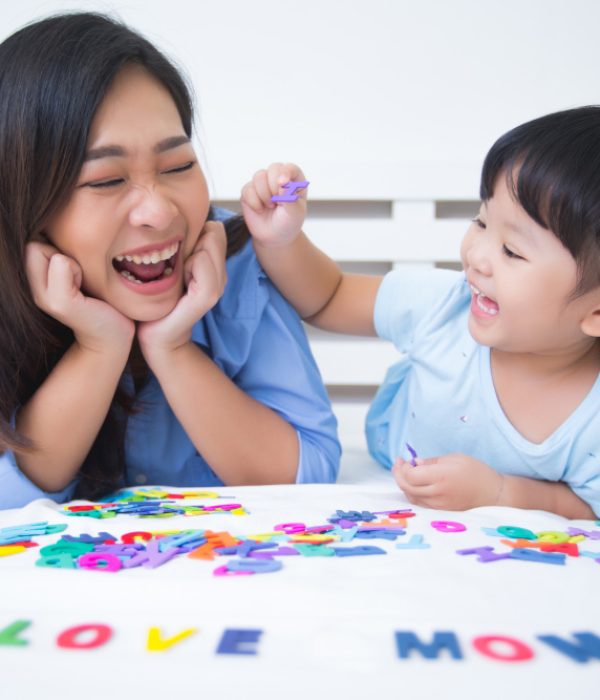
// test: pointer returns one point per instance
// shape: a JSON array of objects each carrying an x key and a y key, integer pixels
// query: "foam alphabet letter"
[
  {"x": 447, "y": 526},
  {"x": 407, "y": 641},
  {"x": 519, "y": 651},
  {"x": 290, "y": 189},
  {"x": 9, "y": 635},
  {"x": 157, "y": 643},
  {"x": 236, "y": 641},
  {"x": 69, "y": 639},
  {"x": 587, "y": 647}
]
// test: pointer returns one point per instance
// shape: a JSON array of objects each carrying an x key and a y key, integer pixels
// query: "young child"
[
  {"x": 499, "y": 388},
  {"x": 131, "y": 352}
]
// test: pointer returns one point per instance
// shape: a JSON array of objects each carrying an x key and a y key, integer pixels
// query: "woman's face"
[{"x": 140, "y": 201}]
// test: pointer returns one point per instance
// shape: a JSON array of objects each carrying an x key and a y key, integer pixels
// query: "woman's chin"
[{"x": 150, "y": 312}]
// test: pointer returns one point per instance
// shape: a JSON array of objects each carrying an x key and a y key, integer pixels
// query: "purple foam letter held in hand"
[
  {"x": 290, "y": 188},
  {"x": 413, "y": 454}
]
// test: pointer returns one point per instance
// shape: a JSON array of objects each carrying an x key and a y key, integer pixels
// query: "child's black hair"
[{"x": 552, "y": 166}]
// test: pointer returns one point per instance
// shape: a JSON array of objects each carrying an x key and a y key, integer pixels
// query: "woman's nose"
[{"x": 152, "y": 209}]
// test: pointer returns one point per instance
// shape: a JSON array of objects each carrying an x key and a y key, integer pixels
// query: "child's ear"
[{"x": 590, "y": 325}]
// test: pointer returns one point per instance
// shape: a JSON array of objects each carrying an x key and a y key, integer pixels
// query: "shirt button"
[{"x": 140, "y": 479}]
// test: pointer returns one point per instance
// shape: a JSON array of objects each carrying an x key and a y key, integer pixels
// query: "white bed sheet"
[{"x": 328, "y": 624}]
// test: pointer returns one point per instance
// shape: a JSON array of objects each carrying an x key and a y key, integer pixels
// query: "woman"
[{"x": 126, "y": 357}]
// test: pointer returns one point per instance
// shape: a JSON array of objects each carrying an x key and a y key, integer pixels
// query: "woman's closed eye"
[
  {"x": 105, "y": 183},
  {"x": 116, "y": 181},
  {"x": 479, "y": 222},
  {"x": 181, "y": 168}
]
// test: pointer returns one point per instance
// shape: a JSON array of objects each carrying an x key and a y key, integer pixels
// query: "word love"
[{"x": 92, "y": 636}]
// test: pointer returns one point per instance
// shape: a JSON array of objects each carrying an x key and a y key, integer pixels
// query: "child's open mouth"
[
  {"x": 484, "y": 303},
  {"x": 151, "y": 266}
]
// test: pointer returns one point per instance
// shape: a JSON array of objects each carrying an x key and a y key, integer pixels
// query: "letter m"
[{"x": 408, "y": 641}]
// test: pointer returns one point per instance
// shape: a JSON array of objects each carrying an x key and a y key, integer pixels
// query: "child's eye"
[
  {"x": 479, "y": 222},
  {"x": 181, "y": 168},
  {"x": 510, "y": 254}
]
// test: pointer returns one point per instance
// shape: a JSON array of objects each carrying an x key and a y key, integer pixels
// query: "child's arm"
[
  {"x": 321, "y": 293},
  {"x": 64, "y": 415},
  {"x": 553, "y": 496},
  {"x": 458, "y": 482},
  {"x": 242, "y": 438}
]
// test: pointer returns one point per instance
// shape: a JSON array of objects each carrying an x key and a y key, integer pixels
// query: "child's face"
[
  {"x": 522, "y": 277},
  {"x": 140, "y": 194}
]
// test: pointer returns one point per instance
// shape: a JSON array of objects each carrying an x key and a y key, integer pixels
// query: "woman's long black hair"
[
  {"x": 552, "y": 166},
  {"x": 53, "y": 76}
]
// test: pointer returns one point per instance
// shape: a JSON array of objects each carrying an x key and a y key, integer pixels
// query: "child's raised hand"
[
  {"x": 55, "y": 283},
  {"x": 451, "y": 482},
  {"x": 205, "y": 277},
  {"x": 271, "y": 223}
]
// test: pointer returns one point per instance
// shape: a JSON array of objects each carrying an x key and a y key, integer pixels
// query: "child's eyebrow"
[
  {"x": 515, "y": 228},
  {"x": 119, "y": 152}
]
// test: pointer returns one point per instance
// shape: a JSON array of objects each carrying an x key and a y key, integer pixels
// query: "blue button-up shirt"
[{"x": 257, "y": 340}]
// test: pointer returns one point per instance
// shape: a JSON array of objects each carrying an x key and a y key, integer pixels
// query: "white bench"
[{"x": 373, "y": 220}]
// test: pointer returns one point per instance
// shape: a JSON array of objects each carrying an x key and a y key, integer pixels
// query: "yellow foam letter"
[{"x": 157, "y": 643}]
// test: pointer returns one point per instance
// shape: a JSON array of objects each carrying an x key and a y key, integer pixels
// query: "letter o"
[
  {"x": 69, "y": 638},
  {"x": 448, "y": 526},
  {"x": 520, "y": 651}
]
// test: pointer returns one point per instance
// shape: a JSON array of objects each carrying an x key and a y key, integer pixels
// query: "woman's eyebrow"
[{"x": 118, "y": 151}]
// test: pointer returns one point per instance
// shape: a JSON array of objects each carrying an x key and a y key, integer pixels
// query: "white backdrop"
[
  {"x": 388, "y": 105},
  {"x": 356, "y": 89}
]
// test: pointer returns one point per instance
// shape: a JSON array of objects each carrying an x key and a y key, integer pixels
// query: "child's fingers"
[
  {"x": 412, "y": 477},
  {"x": 282, "y": 173},
  {"x": 250, "y": 198},
  {"x": 420, "y": 461},
  {"x": 264, "y": 189}
]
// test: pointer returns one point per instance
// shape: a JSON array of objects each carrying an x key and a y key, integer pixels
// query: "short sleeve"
[
  {"x": 405, "y": 296},
  {"x": 258, "y": 341}
]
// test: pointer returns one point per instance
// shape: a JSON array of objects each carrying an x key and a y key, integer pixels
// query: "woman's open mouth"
[{"x": 151, "y": 266}]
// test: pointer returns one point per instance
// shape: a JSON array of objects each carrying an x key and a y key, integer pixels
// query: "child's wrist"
[{"x": 277, "y": 243}]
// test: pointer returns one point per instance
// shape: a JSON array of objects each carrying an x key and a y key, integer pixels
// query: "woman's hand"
[
  {"x": 205, "y": 277},
  {"x": 55, "y": 283},
  {"x": 451, "y": 482},
  {"x": 273, "y": 224}
]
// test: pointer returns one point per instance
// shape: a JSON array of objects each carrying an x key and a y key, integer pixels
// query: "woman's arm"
[
  {"x": 312, "y": 282},
  {"x": 242, "y": 440},
  {"x": 271, "y": 422},
  {"x": 65, "y": 414}
]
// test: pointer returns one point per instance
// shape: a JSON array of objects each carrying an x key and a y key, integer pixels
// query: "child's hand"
[
  {"x": 273, "y": 224},
  {"x": 451, "y": 482},
  {"x": 55, "y": 283},
  {"x": 205, "y": 277}
]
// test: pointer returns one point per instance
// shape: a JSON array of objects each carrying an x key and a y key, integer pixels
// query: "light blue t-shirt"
[
  {"x": 440, "y": 396},
  {"x": 257, "y": 340}
]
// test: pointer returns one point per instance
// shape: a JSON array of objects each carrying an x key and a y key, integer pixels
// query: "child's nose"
[
  {"x": 478, "y": 257},
  {"x": 152, "y": 208}
]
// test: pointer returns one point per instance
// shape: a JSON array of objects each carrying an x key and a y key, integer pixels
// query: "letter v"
[{"x": 157, "y": 643}]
